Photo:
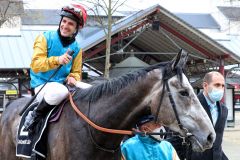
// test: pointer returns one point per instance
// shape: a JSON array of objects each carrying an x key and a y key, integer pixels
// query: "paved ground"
[{"x": 231, "y": 139}]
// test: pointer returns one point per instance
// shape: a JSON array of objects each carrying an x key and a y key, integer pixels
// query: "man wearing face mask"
[
  {"x": 213, "y": 91},
  {"x": 147, "y": 147}
]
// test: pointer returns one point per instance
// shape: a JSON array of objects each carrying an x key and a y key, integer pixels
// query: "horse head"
[{"x": 186, "y": 116}]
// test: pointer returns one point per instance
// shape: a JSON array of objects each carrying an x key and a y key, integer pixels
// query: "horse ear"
[{"x": 180, "y": 60}]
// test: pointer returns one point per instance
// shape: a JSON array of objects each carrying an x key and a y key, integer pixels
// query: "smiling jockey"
[{"x": 51, "y": 49}]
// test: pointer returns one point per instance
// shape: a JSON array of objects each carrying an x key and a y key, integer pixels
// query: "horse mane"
[{"x": 113, "y": 86}]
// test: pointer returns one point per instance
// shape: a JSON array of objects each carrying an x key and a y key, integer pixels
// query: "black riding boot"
[{"x": 35, "y": 116}]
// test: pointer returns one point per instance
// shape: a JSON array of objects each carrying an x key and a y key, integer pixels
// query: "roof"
[
  {"x": 129, "y": 64},
  {"x": 42, "y": 17},
  {"x": 199, "y": 20},
  {"x": 117, "y": 27},
  {"x": 231, "y": 12},
  {"x": 132, "y": 62},
  {"x": 173, "y": 30},
  {"x": 192, "y": 39},
  {"x": 149, "y": 45},
  {"x": 16, "y": 51}
]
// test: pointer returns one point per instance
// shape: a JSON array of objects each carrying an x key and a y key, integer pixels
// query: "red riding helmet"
[{"x": 75, "y": 12}]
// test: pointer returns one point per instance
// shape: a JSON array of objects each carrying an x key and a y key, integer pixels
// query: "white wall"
[{"x": 229, "y": 103}]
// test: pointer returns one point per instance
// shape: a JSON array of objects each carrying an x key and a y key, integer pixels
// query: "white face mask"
[
  {"x": 159, "y": 130},
  {"x": 216, "y": 94}
]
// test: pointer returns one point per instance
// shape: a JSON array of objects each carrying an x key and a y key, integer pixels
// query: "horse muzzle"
[{"x": 203, "y": 144}]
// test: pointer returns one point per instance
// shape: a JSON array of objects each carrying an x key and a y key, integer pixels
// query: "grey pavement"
[{"x": 231, "y": 139}]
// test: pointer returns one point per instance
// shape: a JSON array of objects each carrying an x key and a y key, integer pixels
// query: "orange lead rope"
[{"x": 113, "y": 131}]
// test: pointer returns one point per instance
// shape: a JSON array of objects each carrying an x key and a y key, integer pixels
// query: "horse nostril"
[{"x": 210, "y": 138}]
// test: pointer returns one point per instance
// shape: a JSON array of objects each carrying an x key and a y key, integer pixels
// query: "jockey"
[
  {"x": 147, "y": 147},
  {"x": 51, "y": 49}
]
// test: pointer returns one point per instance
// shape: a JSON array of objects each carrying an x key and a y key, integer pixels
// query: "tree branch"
[
  {"x": 14, "y": 7},
  {"x": 4, "y": 14},
  {"x": 104, "y": 3},
  {"x": 101, "y": 22},
  {"x": 98, "y": 18},
  {"x": 114, "y": 9},
  {"x": 115, "y": 4},
  {"x": 97, "y": 3},
  {"x": 103, "y": 8}
]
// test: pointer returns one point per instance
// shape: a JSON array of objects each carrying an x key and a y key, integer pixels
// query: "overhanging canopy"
[{"x": 154, "y": 46}]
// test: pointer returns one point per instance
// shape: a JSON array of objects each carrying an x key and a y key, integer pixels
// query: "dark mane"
[{"x": 113, "y": 86}]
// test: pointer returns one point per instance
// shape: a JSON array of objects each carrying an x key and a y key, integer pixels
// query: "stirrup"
[{"x": 30, "y": 126}]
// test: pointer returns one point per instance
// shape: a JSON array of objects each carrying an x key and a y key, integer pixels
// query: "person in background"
[
  {"x": 52, "y": 49},
  {"x": 210, "y": 98},
  {"x": 147, "y": 147}
]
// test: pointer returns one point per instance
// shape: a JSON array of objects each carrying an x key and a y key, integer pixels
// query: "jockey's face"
[{"x": 67, "y": 27}]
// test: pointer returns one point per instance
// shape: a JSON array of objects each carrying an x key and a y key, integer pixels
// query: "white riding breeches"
[{"x": 54, "y": 92}]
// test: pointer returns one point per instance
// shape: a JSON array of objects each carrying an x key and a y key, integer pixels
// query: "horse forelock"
[
  {"x": 113, "y": 86},
  {"x": 169, "y": 73}
]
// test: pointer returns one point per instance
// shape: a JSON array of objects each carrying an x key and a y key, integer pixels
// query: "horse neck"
[{"x": 122, "y": 110}]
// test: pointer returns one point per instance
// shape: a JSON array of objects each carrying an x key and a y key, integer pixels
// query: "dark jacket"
[{"x": 215, "y": 153}]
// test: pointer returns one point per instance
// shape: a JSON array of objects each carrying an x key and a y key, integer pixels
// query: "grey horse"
[{"x": 117, "y": 104}]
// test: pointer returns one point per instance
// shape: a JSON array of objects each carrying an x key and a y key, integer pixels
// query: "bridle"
[
  {"x": 169, "y": 74},
  {"x": 134, "y": 132}
]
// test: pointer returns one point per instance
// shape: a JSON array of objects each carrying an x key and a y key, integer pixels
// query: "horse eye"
[{"x": 184, "y": 93}]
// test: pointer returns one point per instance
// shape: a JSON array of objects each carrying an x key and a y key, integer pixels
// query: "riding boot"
[{"x": 35, "y": 116}]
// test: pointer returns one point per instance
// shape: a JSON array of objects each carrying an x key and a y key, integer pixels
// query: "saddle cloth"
[
  {"x": 33, "y": 143},
  {"x": 29, "y": 144}
]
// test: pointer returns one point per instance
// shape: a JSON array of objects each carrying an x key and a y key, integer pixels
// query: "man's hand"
[
  {"x": 71, "y": 81},
  {"x": 65, "y": 58}
]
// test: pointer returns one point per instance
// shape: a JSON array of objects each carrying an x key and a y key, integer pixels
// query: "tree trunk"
[{"x": 108, "y": 41}]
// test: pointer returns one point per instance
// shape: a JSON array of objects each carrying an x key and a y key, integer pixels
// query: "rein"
[
  {"x": 107, "y": 130},
  {"x": 112, "y": 131}
]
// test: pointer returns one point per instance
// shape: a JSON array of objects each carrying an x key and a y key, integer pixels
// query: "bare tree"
[
  {"x": 9, "y": 9},
  {"x": 109, "y": 7}
]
